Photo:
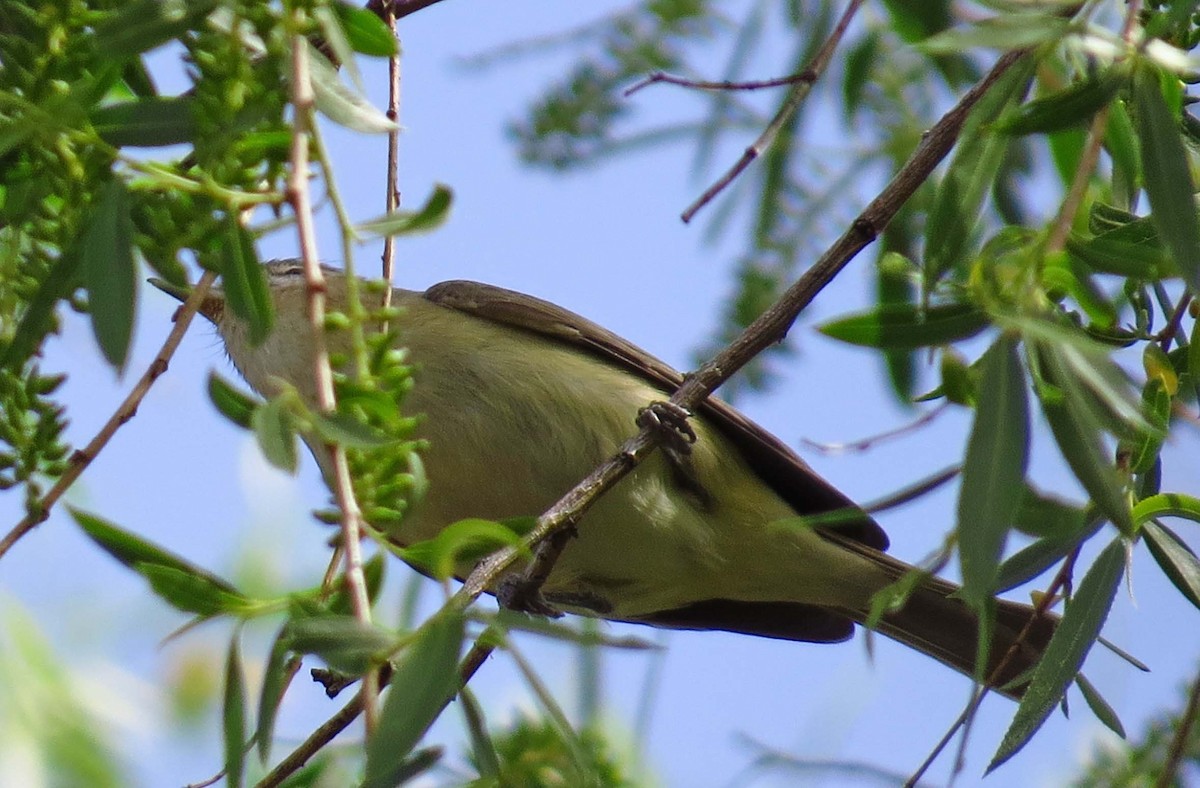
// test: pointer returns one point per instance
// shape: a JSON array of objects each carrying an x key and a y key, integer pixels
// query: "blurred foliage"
[
  {"x": 50, "y": 730},
  {"x": 1132, "y": 764},
  {"x": 978, "y": 258}
]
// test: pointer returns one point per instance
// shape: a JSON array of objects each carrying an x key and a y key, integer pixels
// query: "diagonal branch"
[
  {"x": 799, "y": 92},
  {"x": 124, "y": 412}
]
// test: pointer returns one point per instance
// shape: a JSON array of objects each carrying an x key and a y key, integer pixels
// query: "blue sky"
[{"x": 605, "y": 242}]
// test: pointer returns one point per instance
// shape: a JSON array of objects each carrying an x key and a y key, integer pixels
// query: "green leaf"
[
  {"x": 462, "y": 541},
  {"x": 424, "y": 679},
  {"x": 245, "y": 281},
  {"x": 191, "y": 592},
  {"x": 1122, "y": 145},
  {"x": 428, "y": 217},
  {"x": 276, "y": 675},
  {"x": 1011, "y": 31},
  {"x": 132, "y": 551},
  {"x": 142, "y": 25},
  {"x": 146, "y": 123},
  {"x": 1072, "y": 106},
  {"x": 342, "y": 642},
  {"x": 335, "y": 40},
  {"x": 1167, "y": 173},
  {"x": 1175, "y": 558},
  {"x": 483, "y": 749},
  {"x": 993, "y": 474},
  {"x": 231, "y": 403},
  {"x": 110, "y": 272},
  {"x": 39, "y": 319},
  {"x": 1105, "y": 254},
  {"x": 958, "y": 203},
  {"x": 276, "y": 434},
  {"x": 907, "y": 326},
  {"x": 1074, "y": 637},
  {"x": 366, "y": 32},
  {"x": 1076, "y": 430},
  {"x": 345, "y": 430},
  {"x": 339, "y": 103},
  {"x": 234, "y": 716},
  {"x": 1099, "y": 706},
  {"x": 1144, "y": 448},
  {"x": 1167, "y": 505},
  {"x": 1048, "y": 516}
]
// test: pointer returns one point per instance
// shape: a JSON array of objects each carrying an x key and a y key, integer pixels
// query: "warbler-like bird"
[{"x": 521, "y": 399}]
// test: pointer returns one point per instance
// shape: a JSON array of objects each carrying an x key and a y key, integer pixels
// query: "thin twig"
[
  {"x": 700, "y": 84},
  {"x": 1179, "y": 744},
  {"x": 1062, "y": 580},
  {"x": 1083, "y": 174},
  {"x": 803, "y": 85},
  {"x": 298, "y": 196},
  {"x": 863, "y": 444},
  {"x": 392, "y": 198},
  {"x": 768, "y": 329},
  {"x": 124, "y": 412}
]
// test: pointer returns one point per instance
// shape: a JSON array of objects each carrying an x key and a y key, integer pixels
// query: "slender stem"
[
  {"x": 701, "y": 84},
  {"x": 391, "y": 200},
  {"x": 298, "y": 196},
  {"x": 1179, "y": 744},
  {"x": 795, "y": 98},
  {"x": 124, "y": 412}
]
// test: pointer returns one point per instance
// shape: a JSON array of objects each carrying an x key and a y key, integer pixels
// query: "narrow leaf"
[
  {"x": 1076, "y": 633},
  {"x": 231, "y": 403},
  {"x": 276, "y": 434},
  {"x": 131, "y": 550},
  {"x": 424, "y": 680},
  {"x": 1176, "y": 559},
  {"x": 1077, "y": 434},
  {"x": 234, "y": 715},
  {"x": 276, "y": 676},
  {"x": 428, "y": 217},
  {"x": 345, "y": 430},
  {"x": 189, "y": 592},
  {"x": 245, "y": 281},
  {"x": 993, "y": 474},
  {"x": 366, "y": 32},
  {"x": 109, "y": 271},
  {"x": 342, "y": 642},
  {"x": 1099, "y": 706},
  {"x": 907, "y": 326},
  {"x": 1072, "y": 106},
  {"x": 1167, "y": 173},
  {"x": 339, "y": 103},
  {"x": 146, "y": 123}
]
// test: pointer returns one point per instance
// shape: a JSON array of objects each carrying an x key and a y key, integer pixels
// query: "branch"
[
  {"x": 298, "y": 196},
  {"x": 124, "y": 412},
  {"x": 768, "y": 329},
  {"x": 804, "y": 82}
]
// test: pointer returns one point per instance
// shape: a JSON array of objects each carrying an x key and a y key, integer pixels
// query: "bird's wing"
[{"x": 780, "y": 467}]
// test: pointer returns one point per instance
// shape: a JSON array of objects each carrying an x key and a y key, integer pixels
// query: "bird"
[{"x": 519, "y": 399}]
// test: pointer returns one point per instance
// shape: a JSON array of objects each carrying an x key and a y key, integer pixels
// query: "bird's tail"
[
  {"x": 936, "y": 621},
  {"x": 943, "y": 626}
]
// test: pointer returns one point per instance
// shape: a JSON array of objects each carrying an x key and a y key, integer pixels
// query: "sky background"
[{"x": 605, "y": 242}]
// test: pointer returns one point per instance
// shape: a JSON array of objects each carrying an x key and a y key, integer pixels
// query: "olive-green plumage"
[{"x": 521, "y": 399}]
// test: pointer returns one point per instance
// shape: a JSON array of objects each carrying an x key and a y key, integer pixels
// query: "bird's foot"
[
  {"x": 518, "y": 593},
  {"x": 670, "y": 421}
]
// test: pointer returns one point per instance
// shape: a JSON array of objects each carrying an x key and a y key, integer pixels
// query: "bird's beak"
[{"x": 211, "y": 307}]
